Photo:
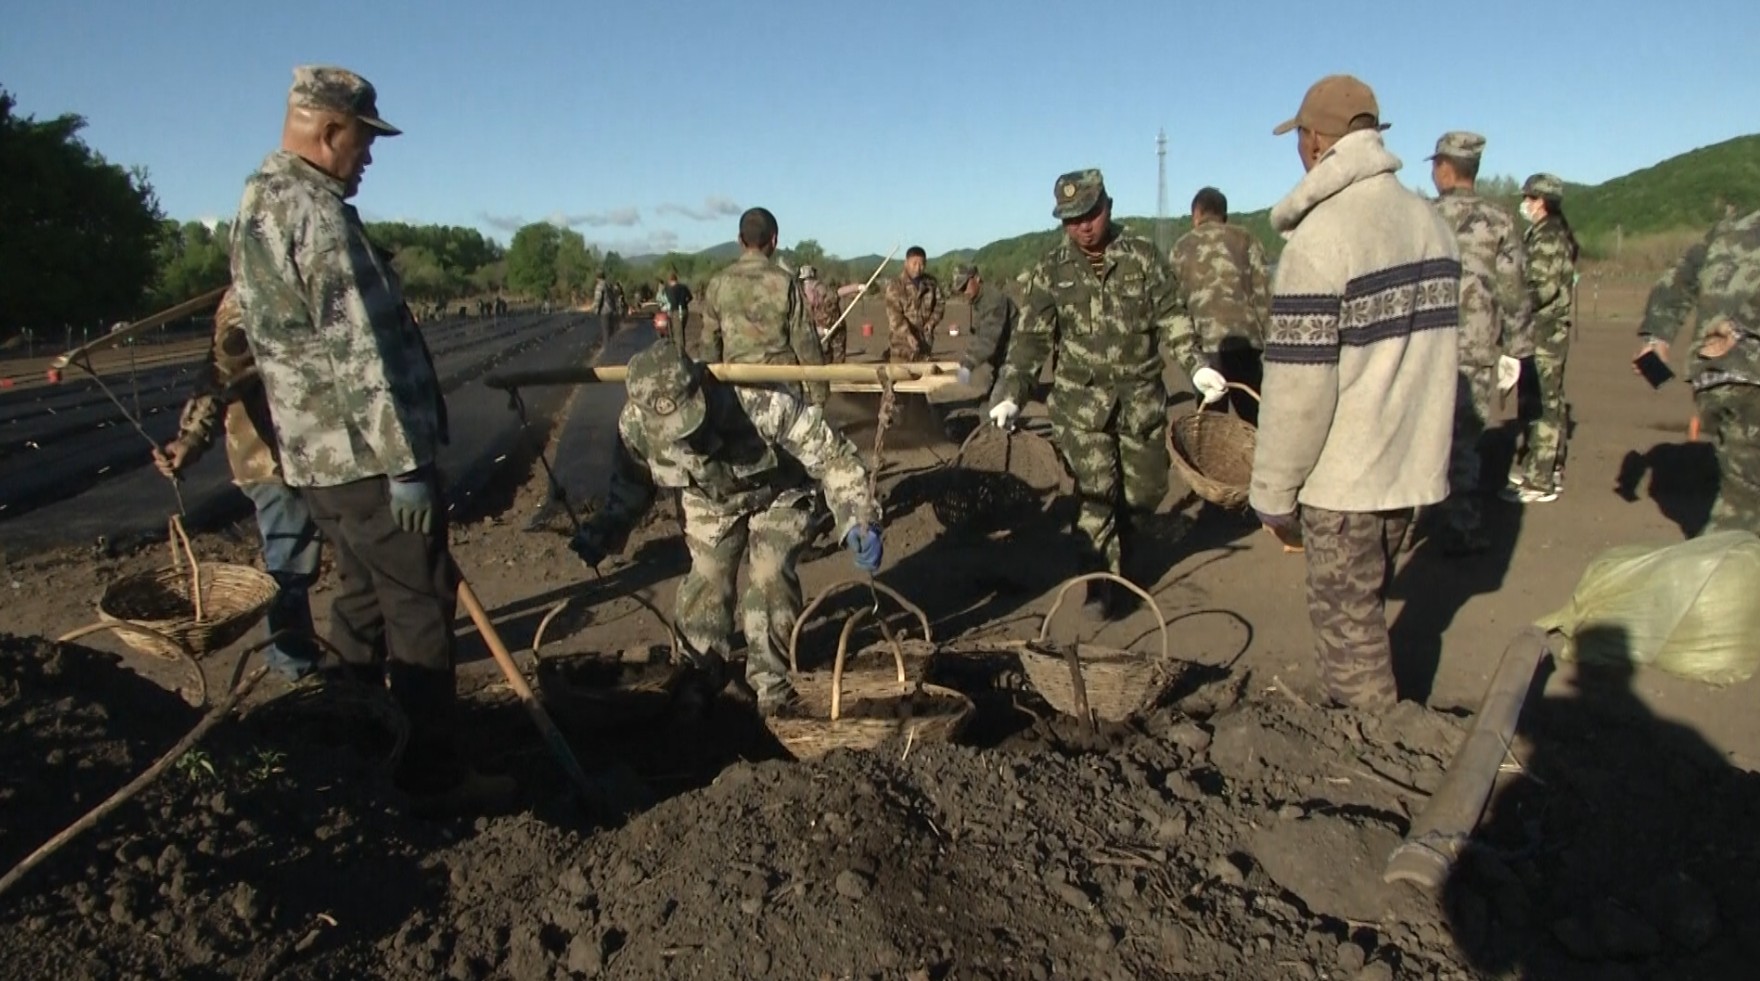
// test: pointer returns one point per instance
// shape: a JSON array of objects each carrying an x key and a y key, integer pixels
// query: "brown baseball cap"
[{"x": 1331, "y": 104}]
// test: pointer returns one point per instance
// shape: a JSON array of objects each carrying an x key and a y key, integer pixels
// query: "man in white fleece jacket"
[{"x": 1360, "y": 367}]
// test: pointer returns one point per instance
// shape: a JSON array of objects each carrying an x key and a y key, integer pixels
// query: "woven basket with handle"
[
  {"x": 605, "y": 691},
  {"x": 1090, "y": 681},
  {"x": 199, "y": 609},
  {"x": 1213, "y": 451},
  {"x": 863, "y": 710}
]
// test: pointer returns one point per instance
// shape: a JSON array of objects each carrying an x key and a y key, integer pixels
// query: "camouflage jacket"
[
  {"x": 602, "y": 298},
  {"x": 349, "y": 380},
  {"x": 1494, "y": 292},
  {"x": 1222, "y": 278},
  {"x": 753, "y": 312},
  {"x": 913, "y": 305},
  {"x": 995, "y": 316},
  {"x": 757, "y": 447},
  {"x": 1552, "y": 280},
  {"x": 1111, "y": 329},
  {"x": 227, "y": 387},
  {"x": 823, "y": 305},
  {"x": 1719, "y": 279}
]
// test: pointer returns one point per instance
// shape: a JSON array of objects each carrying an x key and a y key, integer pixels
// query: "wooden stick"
[
  {"x": 135, "y": 786},
  {"x": 121, "y": 334},
  {"x": 835, "y": 327},
  {"x": 753, "y": 374},
  {"x": 553, "y": 737},
  {"x": 1439, "y": 833}
]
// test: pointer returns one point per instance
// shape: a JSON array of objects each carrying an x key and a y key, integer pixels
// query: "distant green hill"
[{"x": 1686, "y": 192}]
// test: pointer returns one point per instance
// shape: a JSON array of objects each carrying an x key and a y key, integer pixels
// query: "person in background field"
[
  {"x": 754, "y": 311},
  {"x": 824, "y": 308},
  {"x": 994, "y": 318},
  {"x": 1364, "y": 336},
  {"x": 1719, "y": 280},
  {"x": 1552, "y": 289},
  {"x": 1494, "y": 322},
  {"x": 227, "y": 388},
  {"x": 1221, "y": 273},
  {"x": 913, "y": 309}
]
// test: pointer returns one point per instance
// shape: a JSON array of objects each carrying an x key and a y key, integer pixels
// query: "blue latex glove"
[
  {"x": 1286, "y": 528},
  {"x": 864, "y": 540},
  {"x": 412, "y": 502}
]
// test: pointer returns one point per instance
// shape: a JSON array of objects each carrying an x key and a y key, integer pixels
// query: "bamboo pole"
[
  {"x": 737, "y": 374},
  {"x": 123, "y": 333}
]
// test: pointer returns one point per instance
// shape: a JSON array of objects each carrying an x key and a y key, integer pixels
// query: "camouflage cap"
[
  {"x": 331, "y": 89},
  {"x": 666, "y": 388},
  {"x": 1460, "y": 145},
  {"x": 962, "y": 274},
  {"x": 1331, "y": 104},
  {"x": 1078, "y": 192},
  {"x": 1543, "y": 186}
]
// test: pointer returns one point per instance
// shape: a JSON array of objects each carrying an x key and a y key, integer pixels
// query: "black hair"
[
  {"x": 1210, "y": 201},
  {"x": 756, "y": 227}
]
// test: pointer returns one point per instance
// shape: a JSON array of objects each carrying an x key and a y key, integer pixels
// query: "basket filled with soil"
[
  {"x": 607, "y": 689},
  {"x": 999, "y": 478}
]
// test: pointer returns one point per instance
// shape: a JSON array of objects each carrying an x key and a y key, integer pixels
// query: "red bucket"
[{"x": 867, "y": 330}]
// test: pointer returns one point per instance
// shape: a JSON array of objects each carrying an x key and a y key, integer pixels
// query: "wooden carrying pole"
[
  {"x": 748, "y": 374},
  {"x": 1440, "y": 832},
  {"x": 123, "y": 333}
]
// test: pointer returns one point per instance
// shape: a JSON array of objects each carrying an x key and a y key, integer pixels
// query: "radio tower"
[{"x": 1161, "y": 242}]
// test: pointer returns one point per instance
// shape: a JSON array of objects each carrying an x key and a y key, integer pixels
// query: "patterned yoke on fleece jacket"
[{"x": 1358, "y": 406}]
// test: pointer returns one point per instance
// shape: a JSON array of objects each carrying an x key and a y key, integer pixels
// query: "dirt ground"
[{"x": 1232, "y": 831}]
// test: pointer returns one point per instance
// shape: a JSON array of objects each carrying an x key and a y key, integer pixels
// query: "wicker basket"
[
  {"x": 864, "y": 710},
  {"x": 601, "y": 692},
  {"x": 202, "y": 609},
  {"x": 794, "y": 636},
  {"x": 1213, "y": 451},
  {"x": 999, "y": 478},
  {"x": 1089, "y": 681}
]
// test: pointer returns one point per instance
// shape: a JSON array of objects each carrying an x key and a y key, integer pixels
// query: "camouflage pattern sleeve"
[
  {"x": 709, "y": 346},
  {"x": 803, "y": 339},
  {"x": 632, "y": 488},
  {"x": 1178, "y": 337},
  {"x": 1259, "y": 285},
  {"x": 1033, "y": 338},
  {"x": 1550, "y": 272},
  {"x": 1512, "y": 297},
  {"x": 830, "y": 458},
  {"x": 897, "y": 324},
  {"x": 937, "y": 309},
  {"x": 1675, "y": 296}
]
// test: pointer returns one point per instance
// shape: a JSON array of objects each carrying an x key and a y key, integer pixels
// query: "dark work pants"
[
  {"x": 397, "y": 594},
  {"x": 1245, "y": 366}
]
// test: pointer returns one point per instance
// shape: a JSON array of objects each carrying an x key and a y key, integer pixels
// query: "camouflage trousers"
[
  {"x": 1729, "y": 419},
  {"x": 1350, "y": 564},
  {"x": 1472, "y": 408},
  {"x": 1548, "y": 435},
  {"x": 910, "y": 343},
  {"x": 1115, "y": 443},
  {"x": 769, "y": 542}
]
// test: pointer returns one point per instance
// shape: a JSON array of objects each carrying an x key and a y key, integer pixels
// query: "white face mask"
[{"x": 1528, "y": 212}]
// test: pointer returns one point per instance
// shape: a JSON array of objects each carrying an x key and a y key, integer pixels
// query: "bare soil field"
[{"x": 1230, "y": 831}]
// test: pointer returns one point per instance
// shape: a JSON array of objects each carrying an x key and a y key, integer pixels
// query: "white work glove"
[
  {"x": 1210, "y": 384},
  {"x": 1003, "y": 413},
  {"x": 1509, "y": 371}
]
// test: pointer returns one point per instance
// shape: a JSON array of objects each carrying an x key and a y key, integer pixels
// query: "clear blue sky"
[{"x": 865, "y": 125}]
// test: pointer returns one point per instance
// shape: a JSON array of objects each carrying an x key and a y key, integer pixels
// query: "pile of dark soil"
[{"x": 1242, "y": 837}]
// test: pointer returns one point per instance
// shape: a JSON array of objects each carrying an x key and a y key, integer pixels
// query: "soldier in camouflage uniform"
[
  {"x": 1223, "y": 281},
  {"x": 605, "y": 304},
  {"x": 913, "y": 309},
  {"x": 1494, "y": 320},
  {"x": 358, "y": 411},
  {"x": 1552, "y": 290},
  {"x": 995, "y": 316},
  {"x": 1106, "y": 301},
  {"x": 1719, "y": 280},
  {"x": 227, "y": 388},
  {"x": 745, "y": 458},
  {"x": 823, "y": 307},
  {"x": 754, "y": 312}
]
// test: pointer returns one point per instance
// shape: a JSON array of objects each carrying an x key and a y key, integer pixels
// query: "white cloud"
[{"x": 714, "y": 206}]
